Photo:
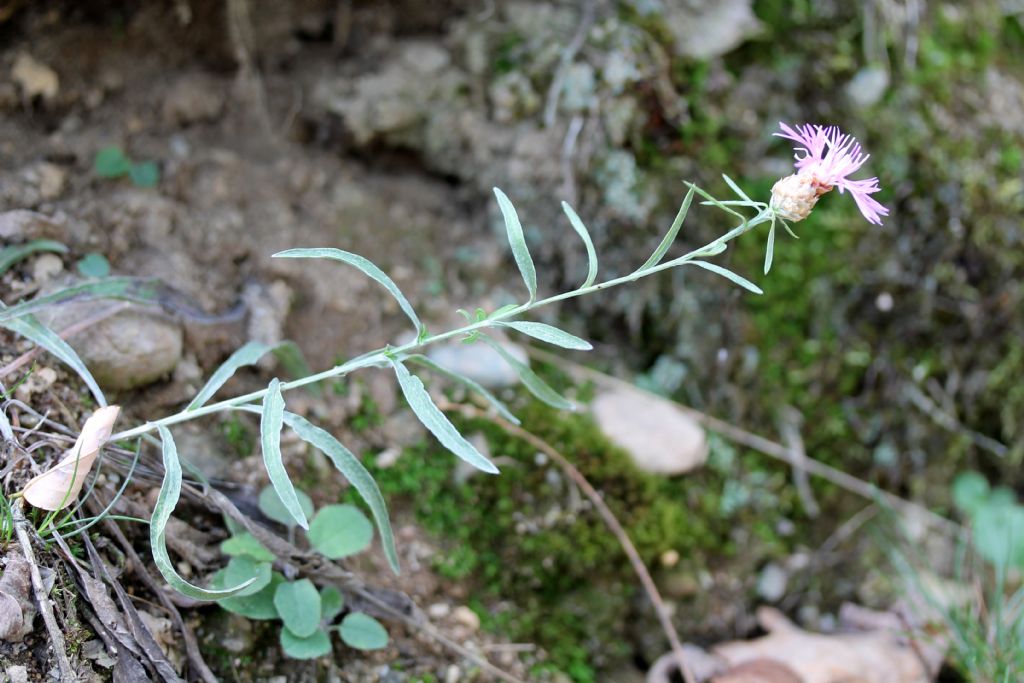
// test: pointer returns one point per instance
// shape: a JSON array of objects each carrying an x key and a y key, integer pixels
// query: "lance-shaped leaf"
[
  {"x": 436, "y": 422},
  {"x": 736, "y": 188},
  {"x": 170, "y": 491},
  {"x": 59, "y": 486},
  {"x": 366, "y": 266},
  {"x": 247, "y": 354},
  {"x": 549, "y": 334},
  {"x": 517, "y": 241},
  {"x": 584, "y": 234},
  {"x": 770, "y": 251},
  {"x": 271, "y": 421},
  {"x": 534, "y": 384},
  {"x": 673, "y": 230},
  {"x": 127, "y": 288},
  {"x": 30, "y": 328},
  {"x": 11, "y": 255},
  {"x": 728, "y": 274},
  {"x": 355, "y": 472},
  {"x": 470, "y": 384}
]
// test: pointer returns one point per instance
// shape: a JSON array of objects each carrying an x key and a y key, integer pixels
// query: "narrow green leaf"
[
  {"x": 271, "y": 421},
  {"x": 30, "y": 328},
  {"x": 127, "y": 288},
  {"x": 270, "y": 505},
  {"x": 736, "y": 188},
  {"x": 355, "y": 472},
  {"x": 721, "y": 205},
  {"x": 11, "y": 255},
  {"x": 670, "y": 236},
  {"x": 549, "y": 334},
  {"x": 770, "y": 251},
  {"x": 503, "y": 310},
  {"x": 534, "y": 384},
  {"x": 247, "y": 354},
  {"x": 311, "y": 647},
  {"x": 170, "y": 490},
  {"x": 436, "y": 422},
  {"x": 338, "y": 531},
  {"x": 363, "y": 632},
  {"x": 728, "y": 274},
  {"x": 470, "y": 384},
  {"x": 517, "y": 241},
  {"x": 298, "y": 603},
  {"x": 365, "y": 266},
  {"x": 581, "y": 230}
]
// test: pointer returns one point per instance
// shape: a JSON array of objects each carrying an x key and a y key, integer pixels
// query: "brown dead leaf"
[
  {"x": 16, "y": 607},
  {"x": 59, "y": 486},
  {"x": 759, "y": 671}
]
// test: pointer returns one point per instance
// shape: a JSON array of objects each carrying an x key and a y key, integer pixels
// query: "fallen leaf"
[
  {"x": 16, "y": 607},
  {"x": 59, "y": 486}
]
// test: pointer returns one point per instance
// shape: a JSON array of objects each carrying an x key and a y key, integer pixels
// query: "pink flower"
[{"x": 826, "y": 157}]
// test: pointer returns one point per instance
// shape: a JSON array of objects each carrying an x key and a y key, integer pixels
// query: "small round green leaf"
[
  {"x": 363, "y": 632},
  {"x": 93, "y": 265},
  {"x": 340, "y": 530},
  {"x": 246, "y": 545},
  {"x": 999, "y": 534},
  {"x": 298, "y": 603},
  {"x": 144, "y": 174},
  {"x": 256, "y": 606},
  {"x": 111, "y": 163},
  {"x": 970, "y": 489},
  {"x": 331, "y": 602},
  {"x": 316, "y": 645},
  {"x": 240, "y": 570},
  {"x": 270, "y": 505}
]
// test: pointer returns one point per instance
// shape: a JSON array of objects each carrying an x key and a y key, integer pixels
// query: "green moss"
[{"x": 238, "y": 436}]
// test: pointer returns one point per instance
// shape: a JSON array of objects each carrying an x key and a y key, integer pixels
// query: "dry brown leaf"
[{"x": 59, "y": 486}]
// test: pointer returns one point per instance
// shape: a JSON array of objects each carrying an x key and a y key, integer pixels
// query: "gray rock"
[
  {"x": 127, "y": 350},
  {"x": 771, "y": 583},
  {"x": 480, "y": 362},
  {"x": 709, "y": 28},
  {"x": 661, "y": 438},
  {"x": 867, "y": 86},
  {"x": 192, "y": 99}
]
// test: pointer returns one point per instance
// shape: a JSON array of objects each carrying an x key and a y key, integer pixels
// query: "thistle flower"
[{"x": 825, "y": 158}]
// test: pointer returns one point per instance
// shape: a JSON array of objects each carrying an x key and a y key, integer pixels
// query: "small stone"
[
  {"x": 45, "y": 267},
  {"x": 50, "y": 179},
  {"x": 34, "y": 78},
  {"x": 192, "y": 99},
  {"x": 439, "y": 610},
  {"x": 771, "y": 583},
  {"x": 464, "y": 616},
  {"x": 453, "y": 674},
  {"x": 660, "y": 437},
  {"x": 480, "y": 362},
  {"x": 669, "y": 558},
  {"x": 36, "y": 383},
  {"x": 868, "y": 86},
  {"x": 710, "y": 28},
  {"x": 17, "y": 674}
]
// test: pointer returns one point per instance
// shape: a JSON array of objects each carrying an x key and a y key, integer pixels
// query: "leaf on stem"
[
  {"x": 549, "y": 334},
  {"x": 247, "y": 354},
  {"x": 581, "y": 230},
  {"x": 170, "y": 491},
  {"x": 470, "y": 384},
  {"x": 533, "y": 383},
  {"x": 271, "y": 421},
  {"x": 436, "y": 422},
  {"x": 670, "y": 236},
  {"x": 29, "y": 327},
  {"x": 366, "y": 266},
  {"x": 517, "y": 241},
  {"x": 770, "y": 251},
  {"x": 728, "y": 274},
  {"x": 127, "y": 288},
  {"x": 59, "y": 486},
  {"x": 11, "y": 255}
]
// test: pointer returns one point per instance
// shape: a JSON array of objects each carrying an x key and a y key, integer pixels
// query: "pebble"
[
  {"x": 45, "y": 267},
  {"x": 439, "y": 610},
  {"x": 660, "y": 437},
  {"x": 453, "y": 674},
  {"x": 771, "y": 583},
  {"x": 464, "y": 616}
]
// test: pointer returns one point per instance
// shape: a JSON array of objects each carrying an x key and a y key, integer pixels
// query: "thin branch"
[{"x": 606, "y": 514}]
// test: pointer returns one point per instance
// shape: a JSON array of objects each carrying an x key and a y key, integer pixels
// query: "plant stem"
[{"x": 380, "y": 356}]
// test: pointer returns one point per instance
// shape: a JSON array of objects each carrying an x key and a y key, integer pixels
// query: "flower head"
[{"x": 825, "y": 158}]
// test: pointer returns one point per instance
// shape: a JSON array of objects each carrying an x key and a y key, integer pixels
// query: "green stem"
[{"x": 380, "y": 356}]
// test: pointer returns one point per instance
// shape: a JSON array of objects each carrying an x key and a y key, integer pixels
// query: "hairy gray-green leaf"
[
  {"x": 271, "y": 421},
  {"x": 127, "y": 288},
  {"x": 339, "y": 531},
  {"x": 517, "y": 241},
  {"x": 247, "y": 354},
  {"x": 728, "y": 274},
  {"x": 245, "y": 544},
  {"x": 331, "y": 603},
  {"x": 366, "y": 266},
  {"x": 549, "y": 334},
  {"x": 30, "y": 328},
  {"x": 715, "y": 202},
  {"x": 11, "y": 255},
  {"x": 270, "y": 505},
  {"x": 311, "y": 647},
  {"x": 470, "y": 384},
  {"x": 534, "y": 384},
  {"x": 355, "y": 472},
  {"x": 736, "y": 188},
  {"x": 670, "y": 236},
  {"x": 170, "y": 490},
  {"x": 259, "y": 605},
  {"x": 436, "y": 422},
  {"x": 363, "y": 632},
  {"x": 770, "y": 251},
  {"x": 298, "y": 603},
  {"x": 584, "y": 234}
]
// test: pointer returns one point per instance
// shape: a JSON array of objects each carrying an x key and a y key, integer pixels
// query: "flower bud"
[{"x": 794, "y": 196}]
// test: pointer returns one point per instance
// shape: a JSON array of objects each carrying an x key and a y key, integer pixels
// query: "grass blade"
[
  {"x": 518, "y": 243},
  {"x": 127, "y": 288},
  {"x": 728, "y": 274},
  {"x": 670, "y": 236},
  {"x": 436, "y": 422},
  {"x": 353, "y": 470},
  {"x": 364, "y": 265},
  {"x": 271, "y": 421},
  {"x": 170, "y": 491},
  {"x": 534, "y": 384},
  {"x": 581, "y": 230},
  {"x": 472, "y": 385},
  {"x": 549, "y": 334},
  {"x": 11, "y": 255},
  {"x": 30, "y": 328}
]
